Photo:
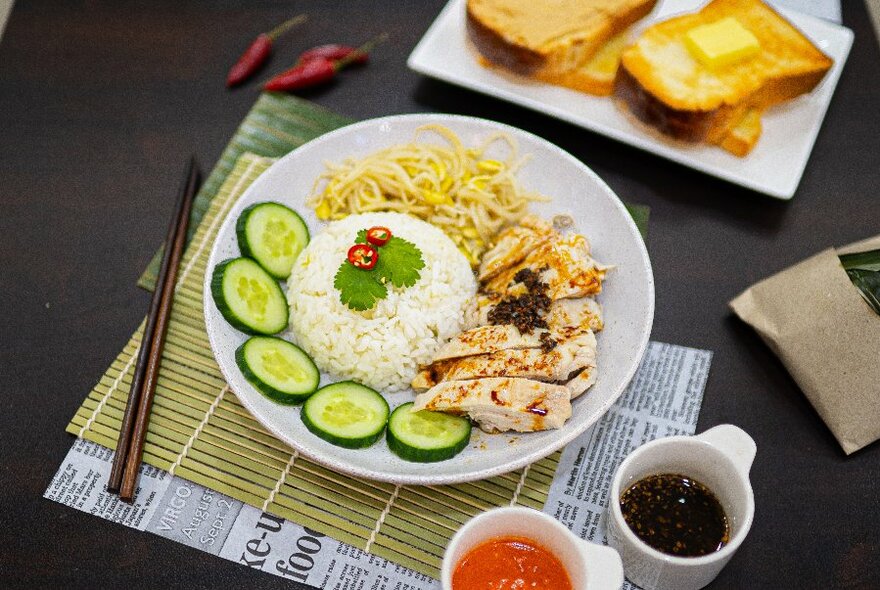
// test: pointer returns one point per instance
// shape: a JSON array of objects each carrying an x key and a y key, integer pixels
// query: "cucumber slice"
[
  {"x": 426, "y": 436},
  {"x": 248, "y": 297},
  {"x": 346, "y": 414},
  {"x": 273, "y": 235},
  {"x": 279, "y": 369}
]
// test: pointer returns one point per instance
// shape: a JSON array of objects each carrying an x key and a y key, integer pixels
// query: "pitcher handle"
[
  {"x": 604, "y": 568},
  {"x": 734, "y": 442}
]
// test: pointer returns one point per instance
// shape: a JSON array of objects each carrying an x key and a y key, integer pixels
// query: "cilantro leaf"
[
  {"x": 358, "y": 289},
  {"x": 400, "y": 262}
]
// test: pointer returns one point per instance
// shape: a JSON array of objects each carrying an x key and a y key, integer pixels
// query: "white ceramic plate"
[
  {"x": 774, "y": 167},
  {"x": 628, "y": 297}
]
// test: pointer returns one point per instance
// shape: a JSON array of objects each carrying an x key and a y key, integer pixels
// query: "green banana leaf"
[{"x": 863, "y": 269}]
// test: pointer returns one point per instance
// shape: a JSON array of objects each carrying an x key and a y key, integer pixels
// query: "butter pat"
[{"x": 721, "y": 43}]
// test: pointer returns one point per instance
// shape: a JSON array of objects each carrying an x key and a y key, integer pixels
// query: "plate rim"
[
  {"x": 642, "y": 140},
  {"x": 415, "y": 479}
]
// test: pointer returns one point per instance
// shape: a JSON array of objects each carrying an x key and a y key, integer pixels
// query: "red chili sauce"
[{"x": 510, "y": 563}]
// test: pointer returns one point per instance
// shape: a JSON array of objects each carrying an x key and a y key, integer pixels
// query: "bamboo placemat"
[{"x": 200, "y": 432}]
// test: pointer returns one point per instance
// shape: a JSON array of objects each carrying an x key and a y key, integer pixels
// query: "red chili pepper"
[
  {"x": 317, "y": 71},
  {"x": 378, "y": 236},
  {"x": 310, "y": 73},
  {"x": 363, "y": 256},
  {"x": 333, "y": 52},
  {"x": 258, "y": 52}
]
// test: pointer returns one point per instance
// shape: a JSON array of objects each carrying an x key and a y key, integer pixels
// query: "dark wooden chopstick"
[
  {"x": 124, "y": 440},
  {"x": 129, "y": 448}
]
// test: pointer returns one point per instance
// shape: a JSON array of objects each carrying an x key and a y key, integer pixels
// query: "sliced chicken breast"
[
  {"x": 565, "y": 317},
  {"x": 576, "y": 351},
  {"x": 514, "y": 244},
  {"x": 564, "y": 263},
  {"x": 486, "y": 339},
  {"x": 501, "y": 404},
  {"x": 522, "y": 375},
  {"x": 582, "y": 381},
  {"x": 583, "y": 311}
]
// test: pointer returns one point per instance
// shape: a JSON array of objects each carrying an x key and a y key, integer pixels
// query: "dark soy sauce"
[{"x": 675, "y": 514}]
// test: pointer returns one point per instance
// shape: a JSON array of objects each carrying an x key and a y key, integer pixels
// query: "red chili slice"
[
  {"x": 363, "y": 256},
  {"x": 378, "y": 236}
]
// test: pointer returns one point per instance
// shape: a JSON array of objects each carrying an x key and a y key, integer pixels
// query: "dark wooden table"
[{"x": 102, "y": 101}]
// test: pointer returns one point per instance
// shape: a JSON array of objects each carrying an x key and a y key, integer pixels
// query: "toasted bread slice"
[
  {"x": 743, "y": 136},
  {"x": 666, "y": 86},
  {"x": 553, "y": 40},
  {"x": 598, "y": 75}
]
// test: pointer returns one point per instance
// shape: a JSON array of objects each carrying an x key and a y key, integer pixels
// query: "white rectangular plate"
[{"x": 774, "y": 167}]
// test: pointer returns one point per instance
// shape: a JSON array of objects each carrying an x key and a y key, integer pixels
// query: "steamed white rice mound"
[{"x": 381, "y": 347}]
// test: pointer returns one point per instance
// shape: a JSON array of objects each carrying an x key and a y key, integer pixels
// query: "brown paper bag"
[{"x": 817, "y": 323}]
